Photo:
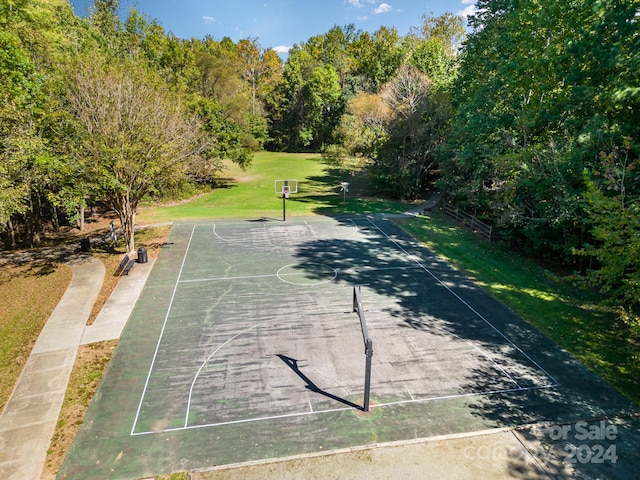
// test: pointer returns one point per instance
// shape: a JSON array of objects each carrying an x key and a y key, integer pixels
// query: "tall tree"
[
  {"x": 420, "y": 113},
  {"x": 31, "y": 171},
  {"x": 136, "y": 134},
  {"x": 613, "y": 194}
]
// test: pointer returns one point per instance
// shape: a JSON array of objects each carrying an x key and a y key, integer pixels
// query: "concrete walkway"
[
  {"x": 31, "y": 414},
  {"x": 111, "y": 320},
  {"x": 430, "y": 204}
]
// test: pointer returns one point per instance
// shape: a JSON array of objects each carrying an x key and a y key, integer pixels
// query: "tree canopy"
[{"x": 529, "y": 118}]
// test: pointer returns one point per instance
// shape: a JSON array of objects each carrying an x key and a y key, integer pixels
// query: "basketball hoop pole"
[
  {"x": 285, "y": 189},
  {"x": 367, "y": 374},
  {"x": 368, "y": 344},
  {"x": 284, "y": 207}
]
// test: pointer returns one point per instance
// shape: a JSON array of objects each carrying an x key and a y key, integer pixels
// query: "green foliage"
[
  {"x": 539, "y": 95},
  {"x": 394, "y": 92},
  {"x": 312, "y": 103},
  {"x": 419, "y": 115},
  {"x": 613, "y": 193},
  {"x": 227, "y": 140},
  {"x": 136, "y": 135}
]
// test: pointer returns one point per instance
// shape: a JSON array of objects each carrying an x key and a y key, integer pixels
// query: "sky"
[{"x": 280, "y": 24}]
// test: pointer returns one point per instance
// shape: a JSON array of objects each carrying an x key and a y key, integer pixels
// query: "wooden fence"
[{"x": 478, "y": 226}]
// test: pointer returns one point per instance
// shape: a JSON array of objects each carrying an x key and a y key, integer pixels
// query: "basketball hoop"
[
  {"x": 284, "y": 188},
  {"x": 344, "y": 188}
]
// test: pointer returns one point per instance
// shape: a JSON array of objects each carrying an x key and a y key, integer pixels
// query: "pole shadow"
[{"x": 292, "y": 363}]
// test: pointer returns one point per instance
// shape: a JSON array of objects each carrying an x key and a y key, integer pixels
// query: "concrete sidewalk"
[
  {"x": 31, "y": 414},
  {"x": 111, "y": 320}
]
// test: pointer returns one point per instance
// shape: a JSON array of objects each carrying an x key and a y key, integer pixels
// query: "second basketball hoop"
[{"x": 285, "y": 188}]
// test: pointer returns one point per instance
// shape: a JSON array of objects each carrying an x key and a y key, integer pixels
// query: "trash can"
[
  {"x": 85, "y": 245},
  {"x": 142, "y": 255}
]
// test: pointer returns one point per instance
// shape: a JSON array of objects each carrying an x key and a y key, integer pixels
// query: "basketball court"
[{"x": 246, "y": 345}]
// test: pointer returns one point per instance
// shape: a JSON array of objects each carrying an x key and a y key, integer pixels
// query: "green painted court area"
[{"x": 245, "y": 346}]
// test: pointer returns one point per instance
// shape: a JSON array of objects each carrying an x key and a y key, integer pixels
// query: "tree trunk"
[
  {"x": 9, "y": 235},
  {"x": 81, "y": 218},
  {"x": 35, "y": 221},
  {"x": 127, "y": 215},
  {"x": 55, "y": 218}
]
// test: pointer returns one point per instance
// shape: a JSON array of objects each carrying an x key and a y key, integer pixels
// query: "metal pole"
[
  {"x": 367, "y": 374},
  {"x": 284, "y": 208}
]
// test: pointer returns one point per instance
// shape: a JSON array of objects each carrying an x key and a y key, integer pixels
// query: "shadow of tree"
[{"x": 530, "y": 380}]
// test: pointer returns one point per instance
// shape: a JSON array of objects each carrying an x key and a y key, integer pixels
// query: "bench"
[{"x": 126, "y": 265}]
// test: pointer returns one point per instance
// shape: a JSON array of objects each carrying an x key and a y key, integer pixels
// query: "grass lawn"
[
  {"x": 572, "y": 318},
  {"x": 251, "y": 193},
  {"x": 22, "y": 317}
]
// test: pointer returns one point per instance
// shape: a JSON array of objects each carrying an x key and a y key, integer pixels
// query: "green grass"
[
  {"x": 22, "y": 317},
  {"x": 572, "y": 318},
  {"x": 251, "y": 193}
]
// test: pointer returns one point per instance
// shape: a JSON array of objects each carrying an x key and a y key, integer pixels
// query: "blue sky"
[{"x": 281, "y": 23}]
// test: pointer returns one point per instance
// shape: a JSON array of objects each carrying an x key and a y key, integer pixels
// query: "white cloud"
[
  {"x": 282, "y": 49},
  {"x": 383, "y": 8},
  {"x": 359, "y": 3},
  {"x": 469, "y": 10},
  {"x": 208, "y": 20}
]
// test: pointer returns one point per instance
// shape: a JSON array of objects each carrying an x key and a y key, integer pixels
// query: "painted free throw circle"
[{"x": 307, "y": 274}]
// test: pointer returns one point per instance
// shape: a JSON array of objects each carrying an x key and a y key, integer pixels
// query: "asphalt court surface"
[
  {"x": 261, "y": 325},
  {"x": 244, "y": 346}
]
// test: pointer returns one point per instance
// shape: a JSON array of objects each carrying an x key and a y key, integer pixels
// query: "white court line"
[
  {"x": 278, "y": 275},
  {"x": 195, "y": 378},
  {"x": 478, "y": 314},
  {"x": 164, "y": 324},
  {"x": 408, "y": 391},
  {"x": 239, "y": 277},
  {"x": 342, "y": 409},
  {"x": 283, "y": 227},
  {"x": 353, "y": 234}
]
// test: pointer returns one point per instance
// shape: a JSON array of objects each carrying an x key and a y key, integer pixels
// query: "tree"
[
  {"x": 434, "y": 49},
  {"x": 376, "y": 58},
  {"x": 363, "y": 127},
  {"x": 419, "y": 118},
  {"x": 135, "y": 133},
  {"x": 539, "y": 94},
  {"x": 311, "y": 102},
  {"x": 613, "y": 193}
]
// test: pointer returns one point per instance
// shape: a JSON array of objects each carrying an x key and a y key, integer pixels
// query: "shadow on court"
[
  {"x": 292, "y": 363},
  {"x": 243, "y": 346}
]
